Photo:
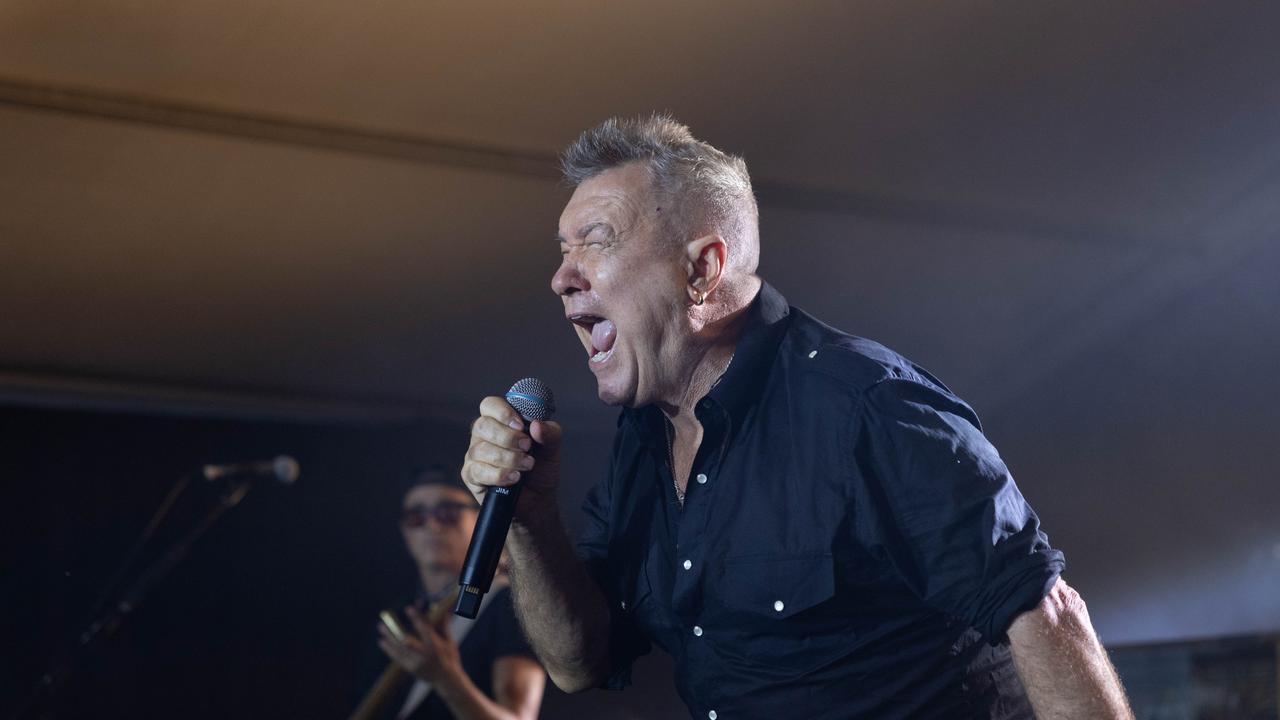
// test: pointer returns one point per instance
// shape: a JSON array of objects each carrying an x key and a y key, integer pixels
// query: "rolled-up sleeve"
[
  {"x": 626, "y": 641},
  {"x": 947, "y": 512}
]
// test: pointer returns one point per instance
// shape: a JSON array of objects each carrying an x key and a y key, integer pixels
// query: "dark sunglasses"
[{"x": 445, "y": 513}]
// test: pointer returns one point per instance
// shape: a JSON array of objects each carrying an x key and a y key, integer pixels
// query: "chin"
[
  {"x": 613, "y": 396},
  {"x": 608, "y": 397}
]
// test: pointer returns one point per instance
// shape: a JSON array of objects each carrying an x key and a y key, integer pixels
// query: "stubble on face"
[{"x": 620, "y": 283}]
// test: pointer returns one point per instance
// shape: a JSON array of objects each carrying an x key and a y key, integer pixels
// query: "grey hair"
[{"x": 704, "y": 188}]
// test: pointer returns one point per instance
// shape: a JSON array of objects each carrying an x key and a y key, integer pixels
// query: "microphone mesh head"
[
  {"x": 532, "y": 399},
  {"x": 285, "y": 469}
]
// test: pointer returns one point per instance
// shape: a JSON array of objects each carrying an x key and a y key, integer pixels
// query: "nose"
[{"x": 568, "y": 278}]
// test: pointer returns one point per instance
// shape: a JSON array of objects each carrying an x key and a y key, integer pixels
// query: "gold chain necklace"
[{"x": 671, "y": 462}]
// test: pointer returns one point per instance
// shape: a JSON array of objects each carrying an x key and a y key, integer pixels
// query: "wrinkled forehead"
[
  {"x": 618, "y": 196},
  {"x": 435, "y": 494}
]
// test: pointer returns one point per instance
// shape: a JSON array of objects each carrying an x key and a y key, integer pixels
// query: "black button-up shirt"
[{"x": 848, "y": 541}]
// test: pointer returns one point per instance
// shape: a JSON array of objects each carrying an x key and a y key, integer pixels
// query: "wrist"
[
  {"x": 536, "y": 514},
  {"x": 450, "y": 680}
]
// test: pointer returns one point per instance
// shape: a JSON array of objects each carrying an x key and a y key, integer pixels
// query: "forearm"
[
  {"x": 1064, "y": 667},
  {"x": 465, "y": 700},
  {"x": 559, "y": 606}
]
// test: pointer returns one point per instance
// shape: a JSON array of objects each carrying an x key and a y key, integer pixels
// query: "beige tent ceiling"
[{"x": 347, "y": 201}]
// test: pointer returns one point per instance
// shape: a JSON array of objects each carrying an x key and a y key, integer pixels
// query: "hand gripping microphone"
[{"x": 533, "y": 400}]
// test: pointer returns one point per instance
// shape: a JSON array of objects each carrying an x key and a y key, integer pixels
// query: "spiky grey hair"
[{"x": 707, "y": 190}]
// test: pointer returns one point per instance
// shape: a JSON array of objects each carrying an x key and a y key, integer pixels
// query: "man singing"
[{"x": 810, "y": 524}]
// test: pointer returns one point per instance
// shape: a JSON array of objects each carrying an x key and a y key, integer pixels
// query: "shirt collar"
[
  {"x": 742, "y": 383},
  {"x": 766, "y": 321}
]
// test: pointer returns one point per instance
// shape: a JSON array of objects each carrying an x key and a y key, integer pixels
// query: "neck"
[
  {"x": 436, "y": 579},
  {"x": 714, "y": 347}
]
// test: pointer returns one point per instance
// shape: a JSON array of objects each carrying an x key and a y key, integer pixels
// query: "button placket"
[{"x": 693, "y": 516}]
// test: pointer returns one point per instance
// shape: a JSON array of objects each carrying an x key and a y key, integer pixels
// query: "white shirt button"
[
  {"x": 813, "y": 354},
  {"x": 688, "y": 564},
  {"x": 697, "y": 631},
  {"x": 712, "y": 715},
  {"x": 702, "y": 479},
  {"x": 778, "y": 605}
]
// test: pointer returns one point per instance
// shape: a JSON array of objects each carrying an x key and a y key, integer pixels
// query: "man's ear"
[{"x": 705, "y": 259}]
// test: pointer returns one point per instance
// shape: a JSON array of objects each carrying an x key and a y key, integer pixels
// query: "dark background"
[{"x": 265, "y": 616}]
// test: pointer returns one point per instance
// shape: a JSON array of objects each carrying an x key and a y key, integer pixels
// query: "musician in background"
[{"x": 472, "y": 669}]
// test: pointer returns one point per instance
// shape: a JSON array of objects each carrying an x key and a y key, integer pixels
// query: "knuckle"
[
  {"x": 494, "y": 406},
  {"x": 476, "y": 477},
  {"x": 494, "y": 432},
  {"x": 484, "y": 452}
]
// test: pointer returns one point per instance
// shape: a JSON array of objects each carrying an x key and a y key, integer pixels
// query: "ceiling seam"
[{"x": 425, "y": 150}]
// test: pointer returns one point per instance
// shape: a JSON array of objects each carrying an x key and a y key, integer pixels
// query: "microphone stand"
[{"x": 107, "y": 621}]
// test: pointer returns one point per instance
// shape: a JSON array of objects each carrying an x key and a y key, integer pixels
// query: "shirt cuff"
[{"x": 1019, "y": 587}]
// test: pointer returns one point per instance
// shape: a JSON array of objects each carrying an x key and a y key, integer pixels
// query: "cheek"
[
  {"x": 601, "y": 274},
  {"x": 466, "y": 528}
]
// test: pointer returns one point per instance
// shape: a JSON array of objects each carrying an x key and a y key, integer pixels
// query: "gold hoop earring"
[{"x": 699, "y": 297}]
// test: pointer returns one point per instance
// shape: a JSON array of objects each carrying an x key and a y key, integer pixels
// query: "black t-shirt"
[
  {"x": 495, "y": 634},
  {"x": 850, "y": 545}
]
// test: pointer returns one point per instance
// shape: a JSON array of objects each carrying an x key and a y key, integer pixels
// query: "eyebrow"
[{"x": 586, "y": 230}]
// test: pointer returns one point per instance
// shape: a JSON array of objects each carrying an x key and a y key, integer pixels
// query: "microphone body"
[{"x": 533, "y": 400}]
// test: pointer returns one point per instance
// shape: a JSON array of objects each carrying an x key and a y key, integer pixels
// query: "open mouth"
[{"x": 600, "y": 335}]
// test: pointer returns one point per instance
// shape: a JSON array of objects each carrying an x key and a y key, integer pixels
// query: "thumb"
[{"x": 547, "y": 434}]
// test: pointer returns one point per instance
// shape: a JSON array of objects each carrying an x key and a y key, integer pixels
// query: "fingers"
[
  {"x": 497, "y": 456},
  {"x": 419, "y": 624},
  {"x": 503, "y": 450},
  {"x": 499, "y": 449},
  {"x": 409, "y": 644},
  {"x": 499, "y": 409},
  {"x": 480, "y": 475},
  {"x": 410, "y": 654},
  {"x": 393, "y": 651},
  {"x": 442, "y": 628},
  {"x": 439, "y": 629},
  {"x": 397, "y": 652},
  {"x": 494, "y": 431}
]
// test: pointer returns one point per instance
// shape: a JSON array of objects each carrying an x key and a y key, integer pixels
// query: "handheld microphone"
[
  {"x": 533, "y": 400},
  {"x": 282, "y": 469}
]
